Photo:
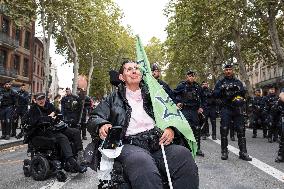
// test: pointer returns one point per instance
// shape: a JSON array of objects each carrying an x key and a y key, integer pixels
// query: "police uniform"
[
  {"x": 231, "y": 91},
  {"x": 278, "y": 111},
  {"x": 86, "y": 101},
  {"x": 8, "y": 102},
  {"x": 21, "y": 110},
  {"x": 71, "y": 109},
  {"x": 209, "y": 108},
  {"x": 257, "y": 107},
  {"x": 191, "y": 97},
  {"x": 269, "y": 101}
]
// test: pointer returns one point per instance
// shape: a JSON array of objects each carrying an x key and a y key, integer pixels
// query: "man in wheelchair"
[
  {"x": 141, "y": 156},
  {"x": 42, "y": 121}
]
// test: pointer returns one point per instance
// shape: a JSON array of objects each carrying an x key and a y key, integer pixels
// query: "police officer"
[
  {"x": 209, "y": 107},
  {"x": 270, "y": 121},
  {"x": 8, "y": 102},
  {"x": 189, "y": 99},
  {"x": 156, "y": 73},
  {"x": 21, "y": 110},
  {"x": 232, "y": 93},
  {"x": 71, "y": 108},
  {"x": 84, "y": 112},
  {"x": 257, "y": 107},
  {"x": 278, "y": 111}
]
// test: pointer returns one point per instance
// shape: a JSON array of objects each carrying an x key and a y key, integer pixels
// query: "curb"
[{"x": 10, "y": 144}]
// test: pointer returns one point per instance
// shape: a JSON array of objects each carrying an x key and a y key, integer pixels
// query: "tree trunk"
[
  {"x": 46, "y": 45},
  {"x": 274, "y": 37},
  {"x": 242, "y": 67},
  {"x": 90, "y": 75}
]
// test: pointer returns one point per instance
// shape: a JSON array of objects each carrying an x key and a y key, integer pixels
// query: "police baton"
[{"x": 167, "y": 167}]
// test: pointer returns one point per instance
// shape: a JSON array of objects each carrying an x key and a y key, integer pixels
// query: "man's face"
[
  {"x": 204, "y": 85},
  {"x": 68, "y": 92},
  {"x": 190, "y": 78},
  {"x": 271, "y": 91},
  {"x": 131, "y": 74},
  {"x": 23, "y": 88},
  {"x": 7, "y": 86},
  {"x": 156, "y": 74},
  {"x": 228, "y": 72},
  {"x": 40, "y": 102},
  {"x": 257, "y": 93}
]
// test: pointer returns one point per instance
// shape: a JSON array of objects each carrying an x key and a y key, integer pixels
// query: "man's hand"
[
  {"x": 52, "y": 115},
  {"x": 179, "y": 105},
  {"x": 104, "y": 130},
  {"x": 200, "y": 110},
  {"x": 167, "y": 137}
]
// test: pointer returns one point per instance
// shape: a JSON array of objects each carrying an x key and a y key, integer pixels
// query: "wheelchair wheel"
[
  {"x": 61, "y": 176},
  {"x": 39, "y": 168},
  {"x": 27, "y": 168}
]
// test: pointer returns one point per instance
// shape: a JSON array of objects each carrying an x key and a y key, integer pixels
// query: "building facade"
[
  {"x": 38, "y": 66},
  {"x": 262, "y": 75},
  {"x": 16, "y": 52}
]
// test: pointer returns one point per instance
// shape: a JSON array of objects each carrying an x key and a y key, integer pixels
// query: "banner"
[{"x": 165, "y": 110}]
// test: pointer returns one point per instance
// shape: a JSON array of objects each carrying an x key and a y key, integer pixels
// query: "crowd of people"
[{"x": 130, "y": 106}]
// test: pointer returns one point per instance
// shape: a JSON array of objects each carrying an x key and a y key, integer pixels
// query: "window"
[
  {"x": 42, "y": 72},
  {"x": 38, "y": 70},
  {"x": 18, "y": 34},
  {"x": 3, "y": 58},
  {"x": 37, "y": 87},
  {"x": 26, "y": 67},
  {"x": 17, "y": 64},
  {"x": 35, "y": 50},
  {"x": 27, "y": 40},
  {"x": 34, "y": 67},
  {"x": 33, "y": 86},
  {"x": 5, "y": 26}
]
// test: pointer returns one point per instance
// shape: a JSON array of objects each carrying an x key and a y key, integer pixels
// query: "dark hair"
[
  {"x": 122, "y": 65},
  {"x": 57, "y": 96}
]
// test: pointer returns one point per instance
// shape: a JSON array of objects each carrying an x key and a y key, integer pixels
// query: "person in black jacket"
[
  {"x": 190, "y": 99},
  {"x": 130, "y": 107},
  {"x": 84, "y": 112},
  {"x": 44, "y": 112},
  {"x": 278, "y": 113},
  {"x": 8, "y": 103},
  {"x": 156, "y": 73},
  {"x": 22, "y": 108},
  {"x": 232, "y": 93}
]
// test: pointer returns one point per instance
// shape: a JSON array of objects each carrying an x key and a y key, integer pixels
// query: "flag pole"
[{"x": 167, "y": 167}]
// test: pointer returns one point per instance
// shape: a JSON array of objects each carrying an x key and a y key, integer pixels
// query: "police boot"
[
  {"x": 264, "y": 131},
  {"x": 14, "y": 129},
  {"x": 198, "y": 133},
  {"x": 243, "y": 149},
  {"x": 224, "y": 148},
  {"x": 3, "y": 125},
  {"x": 8, "y": 130},
  {"x": 280, "y": 157}
]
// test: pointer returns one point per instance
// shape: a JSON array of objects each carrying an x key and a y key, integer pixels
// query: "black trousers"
[
  {"x": 145, "y": 170},
  {"x": 6, "y": 115},
  {"x": 191, "y": 115},
  {"x": 210, "y": 113},
  {"x": 64, "y": 137}
]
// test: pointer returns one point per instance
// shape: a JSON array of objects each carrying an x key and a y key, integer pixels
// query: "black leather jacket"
[{"x": 115, "y": 110}]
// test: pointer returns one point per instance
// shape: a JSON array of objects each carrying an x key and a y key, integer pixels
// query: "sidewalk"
[{"x": 10, "y": 143}]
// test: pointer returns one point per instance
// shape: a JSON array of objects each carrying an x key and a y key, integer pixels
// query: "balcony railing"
[
  {"x": 7, "y": 72},
  {"x": 8, "y": 41}
]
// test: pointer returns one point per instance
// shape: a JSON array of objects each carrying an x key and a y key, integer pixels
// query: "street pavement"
[{"x": 214, "y": 173}]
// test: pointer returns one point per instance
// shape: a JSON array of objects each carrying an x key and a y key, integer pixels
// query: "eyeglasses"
[{"x": 131, "y": 69}]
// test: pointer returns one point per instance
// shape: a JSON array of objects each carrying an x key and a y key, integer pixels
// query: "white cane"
[{"x": 167, "y": 167}]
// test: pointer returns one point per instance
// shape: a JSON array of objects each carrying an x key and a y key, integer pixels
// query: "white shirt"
[{"x": 140, "y": 121}]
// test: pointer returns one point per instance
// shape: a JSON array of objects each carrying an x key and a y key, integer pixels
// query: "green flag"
[{"x": 165, "y": 110}]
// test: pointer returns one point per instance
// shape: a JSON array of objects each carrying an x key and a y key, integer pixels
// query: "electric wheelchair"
[{"x": 46, "y": 158}]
